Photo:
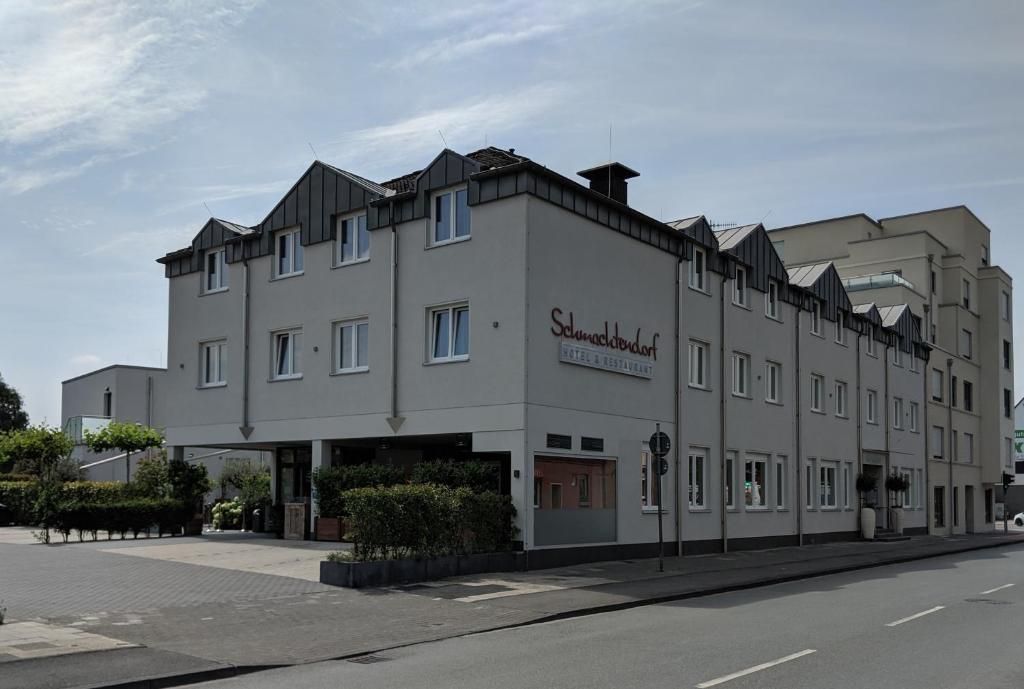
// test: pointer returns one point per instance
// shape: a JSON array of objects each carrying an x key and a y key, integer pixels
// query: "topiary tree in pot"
[
  {"x": 897, "y": 484},
  {"x": 866, "y": 485}
]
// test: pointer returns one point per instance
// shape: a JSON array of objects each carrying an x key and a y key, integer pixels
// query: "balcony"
[
  {"x": 877, "y": 281},
  {"x": 76, "y": 426}
]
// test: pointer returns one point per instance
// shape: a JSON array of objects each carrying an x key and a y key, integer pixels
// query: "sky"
[{"x": 122, "y": 123}]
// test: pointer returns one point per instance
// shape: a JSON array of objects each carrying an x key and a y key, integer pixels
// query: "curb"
[{"x": 228, "y": 671}]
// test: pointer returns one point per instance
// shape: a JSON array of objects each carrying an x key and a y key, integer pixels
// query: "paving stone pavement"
[{"x": 22, "y": 640}]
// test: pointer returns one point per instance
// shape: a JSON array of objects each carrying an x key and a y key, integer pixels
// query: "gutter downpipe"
[
  {"x": 949, "y": 450},
  {"x": 801, "y": 501},
  {"x": 860, "y": 429},
  {"x": 246, "y": 429},
  {"x": 888, "y": 437},
  {"x": 677, "y": 410},
  {"x": 394, "y": 313},
  {"x": 928, "y": 496},
  {"x": 721, "y": 419}
]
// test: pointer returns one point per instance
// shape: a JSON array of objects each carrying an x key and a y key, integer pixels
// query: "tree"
[
  {"x": 38, "y": 450},
  {"x": 127, "y": 437},
  {"x": 12, "y": 415},
  {"x": 152, "y": 478}
]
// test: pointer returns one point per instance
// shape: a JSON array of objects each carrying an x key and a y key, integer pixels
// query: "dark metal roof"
[
  {"x": 865, "y": 216},
  {"x": 730, "y": 238},
  {"x": 403, "y": 183},
  {"x": 490, "y": 158},
  {"x": 617, "y": 169}
]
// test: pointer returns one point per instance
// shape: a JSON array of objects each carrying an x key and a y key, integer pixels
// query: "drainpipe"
[
  {"x": 721, "y": 419},
  {"x": 245, "y": 428},
  {"x": 860, "y": 429},
  {"x": 949, "y": 450},
  {"x": 800, "y": 500},
  {"x": 888, "y": 436},
  {"x": 929, "y": 513},
  {"x": 677, "y": 410},
  {"x": 393, "y": 419}
]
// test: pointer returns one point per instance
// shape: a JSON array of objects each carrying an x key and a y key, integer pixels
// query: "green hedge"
[
  {"x": 330, "y": 484},
  {"x": 21, "y": 497},
  {"x": 132, "y": 515},
  {"x": 427, "y": 520},
  {"x": 479, "y": 476}
]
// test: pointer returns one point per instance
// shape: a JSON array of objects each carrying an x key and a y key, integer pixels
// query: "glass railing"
[
  {"x": 877, "y": 281},
  {"x": 76, "y": 426}
]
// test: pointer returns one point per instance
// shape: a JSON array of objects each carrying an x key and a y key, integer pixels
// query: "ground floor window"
[
  {"x": 648, "y": 479},
  {"x": 847, "y": 471},
  {"x": 755, "y": 476},
  {"x": 577, "y": 500},
  {"x": 828, "y": 486},
  {"x": 809, "y": 484},
  {"x": 939, "y": 505},
  {"x": 780, "y": 482},
  {"x": 956, "y": 506},
  {"x": 294, "y": 465},
  {"x": 697, "y": 478},
  {"x": 908, "y": 494},
  {"x": 988, "y": 505},
  {"x": 730, "y": 471}
]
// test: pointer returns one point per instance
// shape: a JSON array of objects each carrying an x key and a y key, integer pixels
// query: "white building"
[{"x": 487, "y": 306}]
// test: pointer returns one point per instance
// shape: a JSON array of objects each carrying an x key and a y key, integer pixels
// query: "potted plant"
[
  {"x": 866, "y": 485},
  {"x": 896, "y": 483},
  {"x": 328, "y": 485}
]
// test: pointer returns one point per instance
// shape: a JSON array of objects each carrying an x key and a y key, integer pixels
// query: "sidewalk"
[{"x": 324, "y": 622}]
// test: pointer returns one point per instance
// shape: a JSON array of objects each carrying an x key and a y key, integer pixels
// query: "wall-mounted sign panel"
[{"x": 572, "y": 353}]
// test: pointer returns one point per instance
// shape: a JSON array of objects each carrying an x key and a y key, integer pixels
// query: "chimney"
[{"x": 609, "y": 179}]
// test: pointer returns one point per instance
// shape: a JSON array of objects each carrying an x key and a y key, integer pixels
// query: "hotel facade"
[{"x": 486, "y": 306}]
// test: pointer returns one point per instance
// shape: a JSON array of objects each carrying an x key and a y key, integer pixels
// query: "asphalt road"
[{"x": 955, "y": 621}]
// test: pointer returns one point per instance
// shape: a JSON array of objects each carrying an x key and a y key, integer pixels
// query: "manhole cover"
[
  {"x": 990, "y": 601},
  {"x": 369, "y": 660}
]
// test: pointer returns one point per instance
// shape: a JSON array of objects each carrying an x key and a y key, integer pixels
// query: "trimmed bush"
[
  {"x": 331, "y": 483},
  {"x": 133, "y": 515},
  {"x": 477, "y": 475},
  {"x": 20, "y": 498},
  {"x": 426, "y": 520}
]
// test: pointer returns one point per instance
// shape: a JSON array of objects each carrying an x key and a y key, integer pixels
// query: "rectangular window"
[
  {"x": 871, "y": 341},
  {"x": 353, "y": 240},
  {"x": 739, "y": 287},
  {"x": 816, "y": 318},
  {"x": 697, "y": 269},
  {"x": 954, "y": 446},
  {"x": 840, "y": 398},
  {"x": 538, "y": 492},
  {"x": 809, "y": 484},
  {"x": 648, "y": 477},
  {"x": 583, "y": 489},
  {"x": 214, "y": 358},
  {"x": 216, "y": 271},
  {"x": 755, "y": 481},
  {"x": 968, "y": 396},
  {"x": 967, "y": 294},
  {"x": 908, "y": 494},
  {"x": 1007, "y": 404},
  {"x": 938, "y": 441},
  {"x": 287, "y": 355},
  {"x": 771, "y": 300},
  {"x": 968, "y": 454},
  {"x": 698, "y": 364},
  {"x": 451, "y": 216},
  {"x": 840, "y": 328},
  {"x": 1007, "y": 355},
  {"x": 847, "y": 473},
  {"x": 956, "y": 506},
  {"x": 1005, "y": 306},
  {"x": 913, "y": 363},
  {"x": 920, "y": 489},
  {"x": 449, "y": 333},
  {"x": 939, "y": 505},
  {"x": 772, "y": 382},
  {"x": 697, "y": 478},
  {"x": 984, "y": 255},
  {"x": 897, "y": 356},
  {"x": 897, "y": 413},
  {"x": 827, "y": 487},
  {"x": 351, "y": 347},
  {"x": 937, "y": 385},
  {"x": 730, "y": 479},
  {"x": 934, "y": 282},
  {"x": 966, "y": 343},
  {"x": 872, "y": 406},
  {"x": 952, "y": 391},
  {"x": 741, "y": 374},
  {"x": 913, "y": 417},
  {"x": 780, "y": 482},
  {"x": 289, "y": 253},
  {"x": 817, "y": 392},
  {"x": 556, "y": 496}
]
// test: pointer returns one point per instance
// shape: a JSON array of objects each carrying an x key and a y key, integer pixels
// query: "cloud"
[
  {"x": 85, "y": 360},
  {"x": 452, "y": 48}
]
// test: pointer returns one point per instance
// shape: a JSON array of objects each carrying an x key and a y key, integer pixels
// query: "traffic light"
[{"x": 1007, "y": 480}]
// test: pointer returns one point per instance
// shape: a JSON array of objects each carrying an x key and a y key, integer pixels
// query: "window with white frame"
[
  {"x": 840, "y": 327},
  {"x": 809, "y": 483},
  {"x": 287, "y": 355},
  {"x": 648, "y": 478},
  {"x": 907, "y": 498},
  {"x": 698, "y": 375},
  {"x": 938, "y": 386},
  {"x": 816, "y": 318},
  {"x": 353, "y": 240},
  {"x": 697, "y": 496},
  {"x": 1005, "y": 306},
  {"x": 781, "y": 482},
  {"x": 913, "y": 363},
  {"x": 449, "y": 333},
  {"x": 214, "y": 363},
  {"x": 968, "y": 455},
  {"x": 216, "y": 273},
  {"x": 698, "y": 269},
  {"x": 967, "y": 294},
  {"x": 450, "y": 220},
  {"x": 871, "y": 341},
  {"x": 730, "y": 479},
  {"x": 755, "y": 482},
  {"x": 351, "y": 346},
  {"x": 840, "y": 398},
  {"x": 773, "y": 382},
  {"x": 847, "y": 474},
  {"x": 984, "y": 255},
  {"x": 966, "y": 343},
  {"x": 872, "y": 406},
  {"x": 289, "y": 254},
  {"x": 919, "y": 493},
  {"x": 817, "y": 392},
  {"x": 938, "y": 441},
  {"x": 741, "y": 374},
  {"x": 739, "y": 287},
  {"x": 897, "y": 356},
  {"x": 827, "y": 486},
  {"x": 897, "y": 413},
  {"x": 771, "y": 300},
  {"x": 913, "y": 417}
]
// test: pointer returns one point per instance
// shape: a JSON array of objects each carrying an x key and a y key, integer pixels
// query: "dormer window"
[
  {"x": 840, "y": 328},
  {"x": 353, "y": 240},
  {"x": 771, "y": 300},
  {"x": 289, "y": 254},
  {"x": 216, "y": 271},
  {"x": 816, "y": 318},
  {"x": 871, "y": 341},
  {"x": 739, "y": 294},
  {"x": 697, "y": 267},
  {"x": 450, "y": 219}
]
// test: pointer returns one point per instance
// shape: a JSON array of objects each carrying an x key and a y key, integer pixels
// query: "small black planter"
[{"x": 409, "y": 571}]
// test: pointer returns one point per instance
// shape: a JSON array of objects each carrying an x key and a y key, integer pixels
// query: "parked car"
[{"x": 1018, "y": 519}]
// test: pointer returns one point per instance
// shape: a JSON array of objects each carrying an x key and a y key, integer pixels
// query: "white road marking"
[
  {"x": 914, "y": 617},
  {"x": 997, "y": 588},
  {"x": 756, "y": 668}
]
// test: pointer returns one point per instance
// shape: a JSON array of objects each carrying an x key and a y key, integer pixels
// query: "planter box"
[
  {"x": 329, "y": 528},
  {"x": 393, "y": 572}
]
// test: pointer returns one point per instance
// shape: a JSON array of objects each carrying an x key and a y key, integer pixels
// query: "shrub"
[
  {"x": 20, "y": 498},
  {"x": 331, "y": 483},
  {"x": 896, "y": 482},
  {"x": 477, "y": 475},
  {"x": 131, "y": 515},
  {"x": 426, "y": 520},
  {"x": 228, "y": 514},
  {"x": 151, "y": 478},
  {"x": 189, "y": 482}
]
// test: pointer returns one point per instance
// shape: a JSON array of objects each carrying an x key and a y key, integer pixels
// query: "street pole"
[{"x": 661, "y": 540}]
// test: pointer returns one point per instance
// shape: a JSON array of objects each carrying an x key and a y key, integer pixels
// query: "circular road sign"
[
  {"x": 660, "y": 444},
  {"x": 662, "y": 466}
]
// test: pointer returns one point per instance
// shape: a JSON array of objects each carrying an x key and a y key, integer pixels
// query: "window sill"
[
  {"x": 843, "y": 416},
  {"x": 702, "y": 388},
  {"x": 447, "y": 242},
  {"x": 211, "y": 386},
  {"x": 699, "y": 510},
  {"x": 818, "y": 411},
  {"x": 782, "y": 509},
  {"x": 295, "y": 274},
  {"x": 871, "y": 423},
  {"x": 841, "y": 344},
  {"x": 742, "y": 396},
  {"x": 741, "y": 306},
  {"x": 452, "y": 360},
  {"x": 818, "y": 335},
  {"x": 756, "y": 509},
  {"x": 219, "y": 290},
  {"x": 653, "y": 510},
  {"x": 773, "y": 318},
  {"x": 828, "y": 509},
  {"x": 700, "y": 290},
  {"x": 351, "y": 371},
  {"x": 282, "y": 379},
  {"x": 774, "y": 402},
  {"x": 346, "y": 264}
]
